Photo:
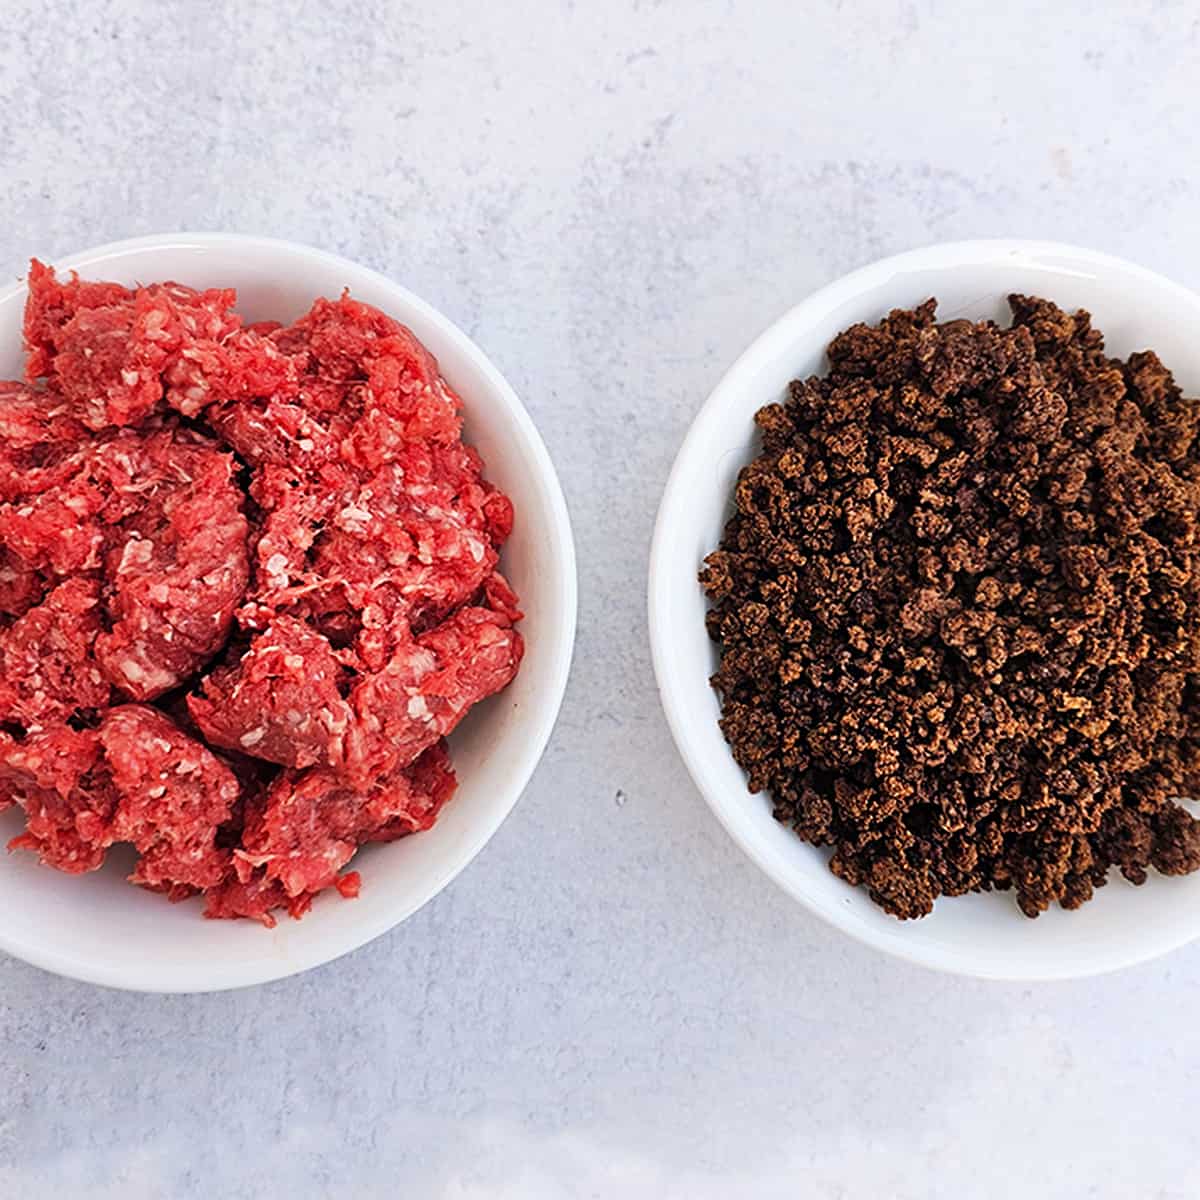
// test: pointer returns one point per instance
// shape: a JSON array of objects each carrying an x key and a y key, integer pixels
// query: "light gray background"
[{"x": 613, "y": 199}]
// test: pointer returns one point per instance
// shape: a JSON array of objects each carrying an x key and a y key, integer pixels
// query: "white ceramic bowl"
[
  {"x": 981, "y": 935},
  {"x": 98, "y": 927}
]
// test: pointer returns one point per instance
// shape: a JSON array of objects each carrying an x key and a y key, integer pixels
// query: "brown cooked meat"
[{"x": 957, "y": 608}]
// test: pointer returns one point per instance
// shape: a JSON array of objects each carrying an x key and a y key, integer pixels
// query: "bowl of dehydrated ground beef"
[
  {"x": 925, "y": 608},
  {"x": 287, "y": 601}
]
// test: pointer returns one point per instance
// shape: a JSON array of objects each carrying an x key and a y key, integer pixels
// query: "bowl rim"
[
  {"x": 784, "y": 330},
  {"x": 543, "y": 715}
]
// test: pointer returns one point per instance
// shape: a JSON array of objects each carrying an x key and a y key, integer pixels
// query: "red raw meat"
[
  {"x": 177, "y": 568},
  {"x": 257, "y": 898},
  {"x": 36, "y": 432},
  {"x": 388, "y": 372},
  {"x": 115, "y": 354},
  {"x": 413, "y": 539},
  {"x": 137, "y": 779},
  {"x": 158, "y": 517},
  {"x": 426, "y": 688},
  {"x": 296, "y": 506},
  {"x": 51, "y": 521},
  {"x": 355, "y": 543},
  {"x": 500, "y": 597},
  {"x": 269, "y": 430},
  {"x": 21, "y": 586},
  {"x": 280, "y": 702},
  {"x": 309, "y": 824},
  {"x": 61, "y": 779},
  {"x": 431, "y": 783},
  {"x": 173, "y": 795},
  {"x": 52, "y": 303},
  {"x": 48, "y": 671}
]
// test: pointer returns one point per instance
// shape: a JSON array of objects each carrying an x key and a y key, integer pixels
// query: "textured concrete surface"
[{"x": 613, "y": 199}]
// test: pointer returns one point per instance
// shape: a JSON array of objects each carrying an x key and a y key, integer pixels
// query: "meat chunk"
[
  {"x": 430, "y": 782},
  {"x": 258, "y": 898},
  {"x": 405, "y": 400},
  {"x": 52, "y": 303},
  {"x": 243, "y": 364},
  {"x": 370, "y": 397},
  {"x": 177, "y": 568},
  {"x": 279, "y": 431},
  {"x": 309, "y": 824},
  {"x": 173, "y": 795},
  {"x": 280, "y": 702},
  {"x": 50, "y": 520},
  {"x": 139, "y": 779},
  {"x": 361, "y": 387},
  {"x": 501, "y": 599},
  {"x": 37, "y": 431},
  {"x": 48, "y": 671},
  {"x": 414, "y": 539},
  {"x": 376, "y": 368},
  {"x": 115, "y": 354},
  {"x": 296, "y": 506},
  {"x": 21, "y": 586},
  {"x": 61, "y": 780},
  {"x": 158, "y": 515},
  {"x": 47, "y": 528},
  {"x": 355, "y": 553},
  {"x": 426, "y": 688}
]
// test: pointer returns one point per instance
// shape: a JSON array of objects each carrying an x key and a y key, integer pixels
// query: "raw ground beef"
[
  {"x": 278, "y": 840},
  {"x": 247, "y": 587}
]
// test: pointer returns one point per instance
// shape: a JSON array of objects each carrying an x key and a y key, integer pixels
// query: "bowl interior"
[
  {"x": 983, "y": 935},
  {"x": 98, "y": 927}
]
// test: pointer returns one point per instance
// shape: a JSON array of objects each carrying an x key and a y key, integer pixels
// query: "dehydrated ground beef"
[
  {"x": 275, "y": 542},
  {"x": 957, "y": 610}
]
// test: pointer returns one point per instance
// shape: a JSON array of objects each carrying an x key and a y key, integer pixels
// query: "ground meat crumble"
[
  {"x": 248, "y": 586},
  {"x": 957, "y": 611}
]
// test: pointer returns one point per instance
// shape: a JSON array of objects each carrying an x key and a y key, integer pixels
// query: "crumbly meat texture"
[
  {"x": 174, "y": 795},
  {"x": 957, "y": 610},
  {"x": 152, "y": 520},
  {"x": 274, "y": 541},
  {"x": 60, "y": 779},
  {"x": 353, "y": 551},
  {"x": 281, "y": 701},
  {"x": 176, "y": 569},
  {"x": 289, "y": 700},
  {"x": 372, "y": 507},
  {"x": 48, "y": 668},
  {"x": 426, "y": 687},
  {"x": 255, "y": 898},
  {"x": 371, "y": 378},
  {"x": 309, "y": 824},
  {"x": 38, "y": 451},
  {"x": 116, "y": 354},
  {"x": 49, "y": 510},
  {"x": 37, "y": 431},
  {"x": 137, "y": 778},
  {"x": 416, "y": 538}
]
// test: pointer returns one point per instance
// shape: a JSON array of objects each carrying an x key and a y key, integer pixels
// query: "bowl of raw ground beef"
[
  {"x": 288, "y": 601},
  {"x": 923, "y": 599}
]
